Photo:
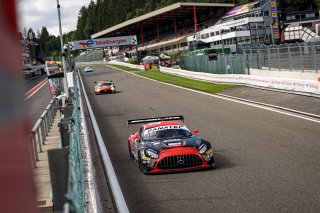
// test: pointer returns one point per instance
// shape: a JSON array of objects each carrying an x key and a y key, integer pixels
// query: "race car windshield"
[
  {"x": 106, "y": 84},
  {"x": 167, "y": 133}
]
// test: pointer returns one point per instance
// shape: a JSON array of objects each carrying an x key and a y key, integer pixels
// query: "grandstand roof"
[{"x": 162, "y": 16}]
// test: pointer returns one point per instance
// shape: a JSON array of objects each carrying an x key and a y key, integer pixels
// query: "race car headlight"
[
  {"x": 203, "y": 148},
  {"x": 151, "y": 153},
  {"x": 97, "y": 89}
]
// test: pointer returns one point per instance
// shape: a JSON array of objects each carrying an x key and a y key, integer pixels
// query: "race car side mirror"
[{"x": 195, "y": 131}]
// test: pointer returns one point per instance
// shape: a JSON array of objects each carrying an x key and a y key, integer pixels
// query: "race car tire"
[
  {"x": 130, "y": 153},
  {"x": 142, "y": 167},
  {"x": 213, "y": 163}
]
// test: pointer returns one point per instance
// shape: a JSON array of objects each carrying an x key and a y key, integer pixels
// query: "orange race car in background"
[{"x": 104, "y": 86}]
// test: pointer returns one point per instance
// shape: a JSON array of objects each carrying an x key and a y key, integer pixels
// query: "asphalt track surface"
[
  {"x": 265, "y": 161},
  {"x": 38, "y": 102},
  {"x": 32, "y": 82}
]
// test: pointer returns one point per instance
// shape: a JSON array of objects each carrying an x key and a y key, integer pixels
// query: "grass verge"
[
  {"x": 186, "y": 82},
  {"x": 123, "y": 67}
]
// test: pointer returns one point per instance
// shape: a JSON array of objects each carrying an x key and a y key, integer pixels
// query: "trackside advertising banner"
[
  {"x": 296, "y": 85},
  {"x": 103, "y": 42}
]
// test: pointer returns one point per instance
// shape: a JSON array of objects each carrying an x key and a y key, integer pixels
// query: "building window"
[
  {"x": 212, "y": 34},
  {"x": 307, "y": 24},
  {"x": 260, "y": 25},
  {"x": 253, "y": 25},
  {"x": 184, "y": 44}
]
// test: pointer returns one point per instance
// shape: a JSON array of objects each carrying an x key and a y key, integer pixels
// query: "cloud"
[{"x": 39, "y": 13}]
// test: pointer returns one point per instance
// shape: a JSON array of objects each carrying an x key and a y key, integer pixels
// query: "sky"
[{"x": 39, "y": 13}]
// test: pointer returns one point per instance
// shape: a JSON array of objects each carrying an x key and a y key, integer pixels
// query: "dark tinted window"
[{"x": 167, "y": 133}]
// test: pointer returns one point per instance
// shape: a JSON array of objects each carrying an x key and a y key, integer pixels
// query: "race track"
[
  {"x": 266, "y": 161},
  {"x": 37, "y": 103}
]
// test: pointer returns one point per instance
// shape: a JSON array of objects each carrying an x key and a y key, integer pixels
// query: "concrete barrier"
[
  {"x": 307, "y": 87},
  {"x": 135, "y": 66},
  {"x": 287, "y": 74}
]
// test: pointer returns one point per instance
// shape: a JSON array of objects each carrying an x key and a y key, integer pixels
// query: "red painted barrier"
[{"x": 17, "y": 191}]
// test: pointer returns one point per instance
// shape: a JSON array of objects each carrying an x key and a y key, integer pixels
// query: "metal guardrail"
[{"x": 40, "y": 130}]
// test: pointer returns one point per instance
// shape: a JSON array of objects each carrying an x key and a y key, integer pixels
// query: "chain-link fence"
[
  {"x": 93, "y": 55},
  {"x": 76, "y": 174},
  {"x": 293, "y": 57},
  {"x": 224, "y": 63}
]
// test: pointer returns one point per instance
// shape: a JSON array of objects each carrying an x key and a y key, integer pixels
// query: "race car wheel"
[
  {"x": 130, "y": 153},
  {"x": 213, "y": 163},
  {"x": 142, "y": 167}
]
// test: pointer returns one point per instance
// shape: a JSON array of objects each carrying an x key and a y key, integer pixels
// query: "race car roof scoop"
[{"x": 157, "y": 119}]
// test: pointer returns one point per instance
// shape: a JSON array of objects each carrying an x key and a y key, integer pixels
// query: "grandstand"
[
  {"x": 167, "y": 29},
  {"x": 246, "y": 25}
]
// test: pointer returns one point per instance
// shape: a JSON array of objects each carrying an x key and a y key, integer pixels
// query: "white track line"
[
  {"x": 230, "y": 98},
  {"x": 114, "y": 183}
]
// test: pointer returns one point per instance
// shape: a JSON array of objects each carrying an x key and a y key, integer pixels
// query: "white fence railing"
[{"x": 40, "y": 130}]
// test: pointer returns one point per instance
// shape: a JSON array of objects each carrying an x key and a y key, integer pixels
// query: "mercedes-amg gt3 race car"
[
  {"x": 165, "y": 144},
  {"x": 104, "y": 86}
]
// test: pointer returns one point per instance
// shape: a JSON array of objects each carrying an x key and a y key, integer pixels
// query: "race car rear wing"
[{"x": 150, "y": 120}]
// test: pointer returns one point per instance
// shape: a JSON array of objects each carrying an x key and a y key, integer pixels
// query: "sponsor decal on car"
[{"x": 165, "y": 127}]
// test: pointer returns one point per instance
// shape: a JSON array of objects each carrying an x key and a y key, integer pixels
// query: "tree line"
[{"x": 48, "y": 44}]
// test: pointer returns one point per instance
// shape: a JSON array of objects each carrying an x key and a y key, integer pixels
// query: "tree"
[
  {"x": 90, "y": 24},
  {"x": 43, "y": 38},
  {"x": 82, "y": 18},
  {"x": 52, "y": 44}
]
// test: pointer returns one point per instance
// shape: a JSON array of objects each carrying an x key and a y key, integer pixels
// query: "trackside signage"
[
  {"x": 103, "y": 42},
  {"x": 304, "y": 86}
]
